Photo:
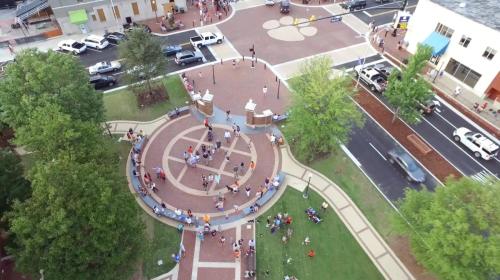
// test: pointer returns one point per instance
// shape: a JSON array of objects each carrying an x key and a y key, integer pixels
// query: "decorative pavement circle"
[{"x": 183, "y": 187}]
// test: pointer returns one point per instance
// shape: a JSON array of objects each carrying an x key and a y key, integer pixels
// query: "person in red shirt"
[{"x": 311, "y": 253}]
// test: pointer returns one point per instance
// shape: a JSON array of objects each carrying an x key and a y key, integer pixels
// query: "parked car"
[
  {"x": 205, "y": 39},
  {"x": 186, "y": 57},
  {"x": 115, "y": 37},
  {"x": 481, "y": 146},
  {"x": 269, "y": 2},
  {"x": 169, "y": 50},
  {"x": 104, "y": 67},
  {"x": 382, "y": 1},
  {"x": 100, "y": 81},
  {"x": 406, "y": 164},
  {"x": 385, "y": 70},
  {"x": 72, "y": 46},
  {"x": 134, "y": 25},
  {"x": 352, "y": 5},
  {"x": 96, "y": 42},
  {"x": 428, "y": 106},
  {"x": 371, "y": 77},
  {"x": 285, "y": 6}
]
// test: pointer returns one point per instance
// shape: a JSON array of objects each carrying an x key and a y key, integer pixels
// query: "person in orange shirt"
[
  {"x": 252, "y": 165},
  {"x": 311, "y": 253}
]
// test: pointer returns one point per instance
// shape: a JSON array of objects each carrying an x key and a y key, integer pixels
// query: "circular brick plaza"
[{"x": 183, "y": 187}]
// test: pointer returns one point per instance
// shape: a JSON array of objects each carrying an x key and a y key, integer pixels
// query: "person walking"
[
  {"x": 222, "y": 239},
  {"x": 264, "y": 90},
  {"x": 247, "y": 190},
  {"x": 457, "y": 91},
  {"x": 252, "y": 165},
  {"x": 228, "y": 115},
  {"x": 242, "y": 168},
  {"x": 235, "y": 171},
  {"x": 227, "y": 136}
]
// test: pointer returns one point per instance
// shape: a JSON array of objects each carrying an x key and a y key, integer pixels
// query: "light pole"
[
  {"x": 279, "y": 84},
  {"x": 213, "y": 73},
  {"x": 155, "y": 8},
  {"x": 305, "y": 195}
]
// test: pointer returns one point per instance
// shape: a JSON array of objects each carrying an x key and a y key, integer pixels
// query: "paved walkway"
[
  {"x": 446, "y": 84},
  {"x": 204, "y": 258}
]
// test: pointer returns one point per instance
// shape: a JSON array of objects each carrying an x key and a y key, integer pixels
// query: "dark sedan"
[
  {"x": 115, "y": 37},
  {"x": 171, "y": 49},
  {"x": 100, "y": 81},
  {"x": 406, "y": 163}
]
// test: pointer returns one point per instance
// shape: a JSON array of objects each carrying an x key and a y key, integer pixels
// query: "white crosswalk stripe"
[{"x": 483, "y": 177}]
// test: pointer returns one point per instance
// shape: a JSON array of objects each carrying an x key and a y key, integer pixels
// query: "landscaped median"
[{"x": 432, "y": 160}]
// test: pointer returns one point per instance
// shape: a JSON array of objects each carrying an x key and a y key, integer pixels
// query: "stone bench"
[
  {"x": 419, "y": 144},
  {"x": 178, "y": 112}
]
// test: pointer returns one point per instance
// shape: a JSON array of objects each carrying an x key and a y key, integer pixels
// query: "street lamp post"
[
  {"x": 213, "y": 73},
  {"x": 155, "y": 8},
  {"x": 279, "y": 84},
  {"x": 306, "y": 191}
]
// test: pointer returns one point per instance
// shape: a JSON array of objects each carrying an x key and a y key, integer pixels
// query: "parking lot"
[{"x": 110, "y": 53}]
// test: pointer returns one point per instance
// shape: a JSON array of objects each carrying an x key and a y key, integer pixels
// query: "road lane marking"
[
  {"x": 461, "y": 149},
  {"x": 94, "y": 50},
  {"x": 378, "y": 152},
  {"x": 350, "y": 155},
  {"x": 384, "y": 13},
  {"x": 447, "y": 121}
]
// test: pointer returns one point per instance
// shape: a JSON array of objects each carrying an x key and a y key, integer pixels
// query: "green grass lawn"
[
  {"x": 340, "y": 169},
  {"x": 163, "y": 240},
  {"x": 338, "y": 255},
  {"x": 122, "y": 104}
]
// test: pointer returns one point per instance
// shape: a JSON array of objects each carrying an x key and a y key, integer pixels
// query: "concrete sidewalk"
[
  {"x": 445, "y": 83},
  {"x": 368, "y": 238}
]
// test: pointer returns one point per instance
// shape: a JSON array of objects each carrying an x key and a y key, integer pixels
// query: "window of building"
[
  {"x": 101, "y": 15},
  {"x": 116, "y": 11},
  {"x": 135, "y": 8},
  {"x": 464, "y": 42},
  {"x": 462, "y": 72},
  {"x": 489, "y": 53},
  {"x": 444, "y": 30}
]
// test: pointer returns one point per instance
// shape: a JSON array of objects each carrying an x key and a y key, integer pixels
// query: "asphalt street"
[
  {"x": 383, "y": 15},
  {"x": 437, "y": 129},
  {"x": 110, "y": 53},
  {"x": 369, "y": 145}
]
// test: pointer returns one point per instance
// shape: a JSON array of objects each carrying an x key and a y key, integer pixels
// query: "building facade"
[
  {"x": 84, "y": 16},
  {"x": 465, "y": 40}
]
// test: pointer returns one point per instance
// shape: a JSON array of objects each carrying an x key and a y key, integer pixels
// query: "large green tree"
[
  {"x": 79, "y": 223},
  {"x": 13, "y": 186},
  {"x": 455, "y": 231},
  {"x": 143, "y": 57},
  {"x": 36, "y": 79},
  {"x": 51, "y": 133},
  {"x": 405, "y": 89},
  {"x": 322, "y": 113}
]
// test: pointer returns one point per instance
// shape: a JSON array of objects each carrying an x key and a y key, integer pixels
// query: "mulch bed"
[
  {"x": 145, "y": 98},
  {"x": 436, "y": 164}
]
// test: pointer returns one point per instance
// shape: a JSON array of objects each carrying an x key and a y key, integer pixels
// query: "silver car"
[{"x": 186, "y": 57}]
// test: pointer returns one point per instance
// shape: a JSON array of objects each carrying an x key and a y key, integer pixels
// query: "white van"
[{"x": 96, "y": 42}]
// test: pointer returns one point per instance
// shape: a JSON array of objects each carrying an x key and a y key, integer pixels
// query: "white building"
[
  {"x": 465, "y": 36},
  {"x": 83, "y": 16}
]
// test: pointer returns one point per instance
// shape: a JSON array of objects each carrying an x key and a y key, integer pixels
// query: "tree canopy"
[
  {"x": 322, "y": 113},
  {"x": 78, "y": 224},
  {"x": 143, "y": 57},
  {"x": 13, "y": 186},
  {"x": 36, "y": 79},
  {"x": 405, "y": 89},
  {"x": 455, "y": 231},
  {"x": 51, "y": 133}
]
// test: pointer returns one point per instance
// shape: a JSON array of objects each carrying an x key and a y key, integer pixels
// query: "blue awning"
[{"x": 437, "y": 42}]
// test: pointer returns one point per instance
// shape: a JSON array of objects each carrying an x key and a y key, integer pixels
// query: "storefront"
[{"x": 79, "y": 18}]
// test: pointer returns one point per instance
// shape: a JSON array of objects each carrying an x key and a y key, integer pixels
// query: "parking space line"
[
  {"x": 461, "y": 149},
  {"x": 94, "y": 50},
  {"x": 378, "y": 152}
]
